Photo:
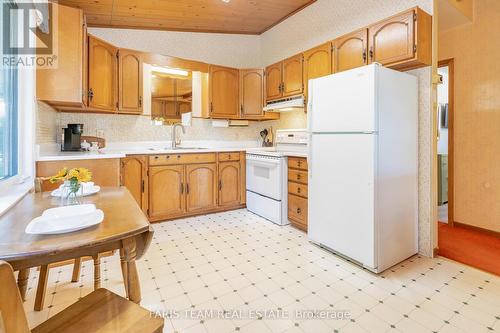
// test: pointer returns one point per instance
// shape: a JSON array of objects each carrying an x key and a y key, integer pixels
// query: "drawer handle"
[
  {"x": 298, "y": 189},
  {"x": 299, "y": 163},
  {"x": 299, "y": 210},
  {"x": 298, "y": 176},
  {"x": 178, "y": 156},
  {"x": 168, "y": 156},
  {"x": 229, "y": 156},
  {"x": 156, "y": 157}
]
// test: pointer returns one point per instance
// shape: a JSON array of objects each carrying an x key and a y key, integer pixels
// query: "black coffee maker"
[{"x": 71, "y": 137}]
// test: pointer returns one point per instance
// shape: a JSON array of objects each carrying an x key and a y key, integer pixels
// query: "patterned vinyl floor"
[{"x": 236, "y": 272}]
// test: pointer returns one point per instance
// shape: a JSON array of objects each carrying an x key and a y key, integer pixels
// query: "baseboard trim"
[
  {"x": 198, "y": 213},
  {"x": 479, "y": 229}
]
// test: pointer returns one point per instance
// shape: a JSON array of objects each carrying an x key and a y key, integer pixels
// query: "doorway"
[{"x": 445, "y": 97}]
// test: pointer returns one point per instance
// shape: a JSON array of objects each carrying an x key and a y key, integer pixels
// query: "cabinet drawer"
[
  {"x": 298, "y": 176},
  {"x": 297, "y": 189},
  {"x": 297, "y": 163},
  {"x": 297, "y": 209},
  {"x": 171, "y": 159},
  {"x": 229, "y": 156}
]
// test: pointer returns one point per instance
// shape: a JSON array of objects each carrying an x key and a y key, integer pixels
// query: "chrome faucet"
[{"x": 175, "y": 141}]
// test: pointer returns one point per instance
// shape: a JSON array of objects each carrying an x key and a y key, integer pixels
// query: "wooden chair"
[{"x": 101, "y": 311}]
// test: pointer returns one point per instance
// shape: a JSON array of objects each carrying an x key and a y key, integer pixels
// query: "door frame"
[{"x": 450, "y": 63}]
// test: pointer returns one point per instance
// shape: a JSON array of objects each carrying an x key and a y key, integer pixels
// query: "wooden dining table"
[{"x": 124, "y": 228}]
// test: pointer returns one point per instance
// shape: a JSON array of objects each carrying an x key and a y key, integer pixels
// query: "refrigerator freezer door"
[
  {"x": 343, "y": 102},
  {"x": 341, "y": 194}
]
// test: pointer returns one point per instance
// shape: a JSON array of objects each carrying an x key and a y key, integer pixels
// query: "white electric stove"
[{"x": 267, "y": 175}]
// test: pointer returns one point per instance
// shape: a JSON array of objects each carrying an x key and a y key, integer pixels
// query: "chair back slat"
[{"x": 12, "y": 316}]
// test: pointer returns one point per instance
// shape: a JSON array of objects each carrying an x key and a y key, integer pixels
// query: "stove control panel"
[{"x": 292, "y": 136}]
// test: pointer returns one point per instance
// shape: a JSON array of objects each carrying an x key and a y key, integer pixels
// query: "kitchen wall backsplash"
[{"x": 128, "y": 128}]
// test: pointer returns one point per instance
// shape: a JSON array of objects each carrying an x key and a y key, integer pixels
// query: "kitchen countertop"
[{"x": 120, "y": 150}]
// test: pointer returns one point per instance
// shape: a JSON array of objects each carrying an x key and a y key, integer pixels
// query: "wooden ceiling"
[{"x": 235, "y": 16}]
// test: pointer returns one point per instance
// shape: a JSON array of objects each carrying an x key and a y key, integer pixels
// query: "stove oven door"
[{"x": 264, "y": 175}]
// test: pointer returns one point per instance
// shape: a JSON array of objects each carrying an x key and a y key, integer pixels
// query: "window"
[{"x": 9, "y": 148}]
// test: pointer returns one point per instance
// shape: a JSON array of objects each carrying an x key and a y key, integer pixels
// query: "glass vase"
[{"x": 69, "y": 193}]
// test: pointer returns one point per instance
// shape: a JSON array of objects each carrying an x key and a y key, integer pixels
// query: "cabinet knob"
[
  {"x": 299, "y": 163},
  {"x": 168, "y": 156},
  {"x": 156, "y": 157},
  {"x": 299, "y": 210},
  {"x": 228, "y": 156},
  {"x": 298, "y": 176},
  {"x": 298, "y": 190},
  {"x": 178, "y": 156}
]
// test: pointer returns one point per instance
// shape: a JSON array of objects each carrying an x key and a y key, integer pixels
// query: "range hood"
[{"x": 285, "y": 104}]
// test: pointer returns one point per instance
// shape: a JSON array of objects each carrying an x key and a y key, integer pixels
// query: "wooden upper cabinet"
[
  {"x": 166, "y": 191},
  {"x": 201, "y": 187},
  {"x": 293, "y": 83},
  {"x": 102, "y": 92},
  {"x": 350, "y": 51},
  {"x": 224, "y": 89},
  {"x": 171, "y": 110},
  {"x": 133, "y": 176},
  {"x": 67, "y": 83},
  {"x": 229, "y": 183},
  {"x": 129, "y": 81},
  {"x": 251, "y": 93},
  {"x": 402, "y": 41},
  {"x": 273, "y": 81},
  {"x": 317, "y": 63}
]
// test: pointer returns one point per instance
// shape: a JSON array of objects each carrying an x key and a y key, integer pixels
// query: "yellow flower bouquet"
[{"x": 72, "y": 179}]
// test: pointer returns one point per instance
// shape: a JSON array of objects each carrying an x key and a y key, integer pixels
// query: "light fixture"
[{"x": 167, "y": 70}]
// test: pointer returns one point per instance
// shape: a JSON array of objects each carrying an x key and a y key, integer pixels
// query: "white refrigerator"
[{"x": 363, "y": 149}]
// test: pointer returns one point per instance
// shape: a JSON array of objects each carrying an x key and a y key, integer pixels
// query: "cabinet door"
[
  {"x": 224, "y": 101},
  {"x": 201, "y": 187},
  {"x": 166, "y": 191},
  {"x": 184, "y": 107},
  {"x": 157, "y": 108},
  {"x": 392, "y": 40},
  {"x": 273, "y": 81},
  {"x": 350, "y": 51},
  {"x": 293, "y": 76},
  {"x": 71, "y": 62},
  {"x": 229, "y": 183},
  {"x": 252, "y": 93},
  {"x": 171, "y": 110},
  {"x": 129, "y": 81},
  {"x": 317, "y": 63},
  {"x": 134, "y": 177},
  {"x": 102, "y": 75}
]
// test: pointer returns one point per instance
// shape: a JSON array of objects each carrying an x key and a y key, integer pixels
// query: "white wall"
[{"x": 221, "y": 49}]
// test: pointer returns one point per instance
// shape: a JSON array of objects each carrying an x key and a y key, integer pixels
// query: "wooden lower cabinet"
[
  {"x": 133, "y": 175},
  {"x": 297, "y": 211},
  {"x": 201, "y": 187},
  {"x": 191, "y": 184},
  {"x": 229, "y": 183},
  {"x": 166, "y": 192},
  {"x": 297, "y": 192}
]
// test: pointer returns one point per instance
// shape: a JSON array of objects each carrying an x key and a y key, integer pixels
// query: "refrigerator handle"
[
  {"x": 309, "y": 125},
  {"x": 309, "y": 156},
  {"x": 310, "y": 105}
]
